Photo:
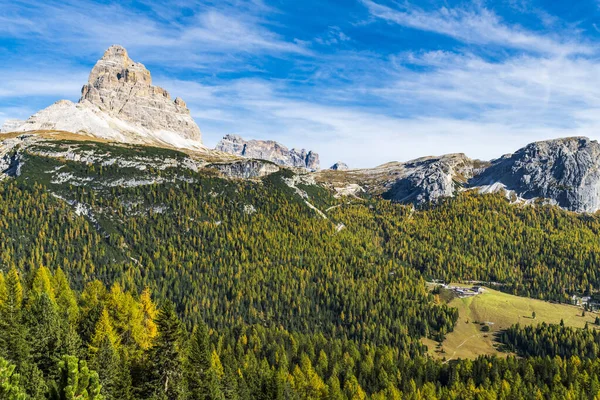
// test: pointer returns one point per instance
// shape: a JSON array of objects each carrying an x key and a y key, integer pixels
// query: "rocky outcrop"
[
  {"x": 430, "y": 178},
  {"x": 120, "y": 103},
  {"x": 564, "y": 171},
  {"x": 11, "y": 159},
  {"x": 269, "y": 150},
  {"x": 123, "y": 88},
  {"x": 245, "y": 169},
  {"x": 339, "y": 166},
  {"x": 419, "y": 181}
]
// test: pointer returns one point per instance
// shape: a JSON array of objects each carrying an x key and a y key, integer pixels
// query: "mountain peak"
[
  {"x": 120, "y": 103},
  {"x": 123, "y": 88},
  {"x": 116, "y": 67},
  {"x": 565, "y": 171}
]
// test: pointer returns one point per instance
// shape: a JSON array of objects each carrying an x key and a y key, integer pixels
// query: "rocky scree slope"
[{"x": 120, "y": 103}]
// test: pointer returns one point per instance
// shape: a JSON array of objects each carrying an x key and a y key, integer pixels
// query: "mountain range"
[
  {"x": 137, "y": 263},
  {"x": 120, "y": 104}
]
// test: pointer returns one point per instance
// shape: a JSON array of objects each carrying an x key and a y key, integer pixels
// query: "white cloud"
[
  {"x": 64, "y": 83},
  {"x": 476, "y": 27},
  {"x": 361, "y": 107},
  {"x": 208, "y": 37},
  {"x": 460, "y": 103}
]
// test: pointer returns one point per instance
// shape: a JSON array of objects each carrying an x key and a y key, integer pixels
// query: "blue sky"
[{"x": 362, "y": 81}]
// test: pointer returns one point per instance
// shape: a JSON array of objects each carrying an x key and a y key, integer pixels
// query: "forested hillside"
[{"x": 259, "y": 295}]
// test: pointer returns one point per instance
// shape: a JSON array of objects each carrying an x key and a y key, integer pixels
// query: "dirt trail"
[{"x": 460, "y": 345}]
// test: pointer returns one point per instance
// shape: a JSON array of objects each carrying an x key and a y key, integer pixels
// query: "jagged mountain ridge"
[
  {"x": 564, "y": 172},
  {"x": 120, "y": 103},
  {"x": 269, "y": 150}
]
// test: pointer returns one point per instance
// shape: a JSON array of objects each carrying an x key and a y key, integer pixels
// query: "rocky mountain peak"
[
  {"x": 123, "y": 88},
  {"x": 115, "y": 69},
  {"x": 339, "y": 166},
  {"x": 120, "y": 103},
  {"x": 269, "y": 150},
  {"x": 565, "y": 171}
]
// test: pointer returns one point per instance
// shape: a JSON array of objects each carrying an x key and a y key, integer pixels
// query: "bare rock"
[
  {"x": 339, "y": 166},
  {"x": 269, "y": 150},
  {"x": 419, "y": 181},
  {"x": 245, "y": 169},
  {"x": 564, "y": 171},
  {"x": 428, "y": 179},
  {"x": 119, "y": 103},
  {"x": 123, "y": 88}
]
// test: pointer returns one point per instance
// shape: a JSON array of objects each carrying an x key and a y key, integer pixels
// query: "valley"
[{"x": 137, "y": 263}]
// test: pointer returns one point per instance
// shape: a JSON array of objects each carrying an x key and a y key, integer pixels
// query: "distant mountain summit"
[
  {"x": 120, "y": 103},
  {"x": 565, "y": 171},
  {"x": 269, "y": 150},
  {"x": 340, "y": 166}
]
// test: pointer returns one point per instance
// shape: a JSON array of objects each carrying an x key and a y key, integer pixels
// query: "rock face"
[
  {"x": 120, "y": 103},
  {"x": 564, "y": 171},
  {"x": 419, "y": 181},
  {"x": 245, "y": 169},
  {"x": 269, "y": 150},
  {"x": 123, "y": 89},
  {"x": 339, "y": 166},
  {"x": 430, "y": 178}
]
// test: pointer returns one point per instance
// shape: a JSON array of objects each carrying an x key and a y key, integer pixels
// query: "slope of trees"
[
  {"x": 552, "y": 340},
  {"x": 134, "y": 351},
  {"x": 269, "y": 301}
]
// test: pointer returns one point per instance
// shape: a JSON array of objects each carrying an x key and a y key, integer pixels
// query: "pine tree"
[
  {"x": 104, "y": 330},
  {"x": 123, "y": 389},
  {"x": 10, "y": 388},
  {"x": 149, "y": 315},
  {"x": 165, "y": 355},
  {"x": 230, "y": 380},
  {"x": 44, "y": 333},
  {"x": 13, "y": 333},
  {"x": 201, "y": 377},
  {"x": 75, "y": 381},
  {"x": 42, "y": 283},
  {"x": 335, "y": 391},
  {"x": 106, "y": 362},
  {"x": 65, "y": 298}
]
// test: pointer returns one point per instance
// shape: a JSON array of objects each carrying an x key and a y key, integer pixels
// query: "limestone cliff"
[{"x": 269, "y": 150}]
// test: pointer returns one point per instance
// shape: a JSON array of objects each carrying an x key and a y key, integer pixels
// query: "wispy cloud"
[
  {"x": 483, "y": 109},
  {"x": 335, "y": 90},
  {"x": 479, "y": 26},
  {"x": 204, "y": 35}
]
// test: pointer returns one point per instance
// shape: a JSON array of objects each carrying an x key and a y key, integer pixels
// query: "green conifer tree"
[
  {"x": 10, "y": 388},
  {"x": 165, "y": 355},
  {"x": 201, "y": 377},
  {"x": 75, "y": 381}
]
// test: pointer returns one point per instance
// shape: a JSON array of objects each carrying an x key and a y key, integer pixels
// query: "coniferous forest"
[{"x": 180, "y": 290}]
